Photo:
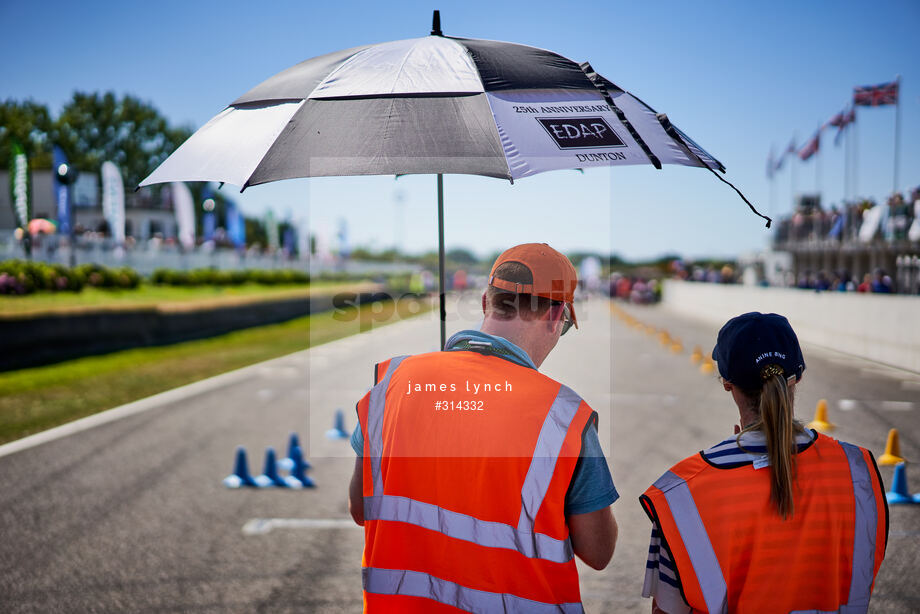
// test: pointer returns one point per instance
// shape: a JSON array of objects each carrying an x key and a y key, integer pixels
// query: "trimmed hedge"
[
  {"x": 99, "y": 276},
  {"x": 213, "y": 277},
  {"x": 25, "y": 277}
]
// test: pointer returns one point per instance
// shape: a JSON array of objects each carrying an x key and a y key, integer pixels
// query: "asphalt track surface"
[{"x": 131, "y": 516}]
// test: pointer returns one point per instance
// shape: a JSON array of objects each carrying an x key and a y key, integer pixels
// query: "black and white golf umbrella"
[{"x": 435, "y": 105}]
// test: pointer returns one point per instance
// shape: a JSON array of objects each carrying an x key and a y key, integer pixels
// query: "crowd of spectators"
[
  {"x": 634, "y": 289},
  {"x": 645, "y": 290},
  {"x": 879, "y": 281},
  {"x": 710, "y": 273},
  {"x": 841, "y": 281},
  {"x": 899, "y": 220}
]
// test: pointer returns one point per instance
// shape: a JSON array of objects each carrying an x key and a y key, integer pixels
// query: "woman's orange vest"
[
  {"x": 734, "y": 553},
  {"x": 467, "y": 460}
]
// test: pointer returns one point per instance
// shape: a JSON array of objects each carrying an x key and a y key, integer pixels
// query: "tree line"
[
  {"x": 90, "y": 129},
  {"x": 94, "y": 127}
]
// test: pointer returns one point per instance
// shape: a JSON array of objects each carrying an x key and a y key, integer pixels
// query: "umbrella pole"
[{"x": 441, "y": 257}]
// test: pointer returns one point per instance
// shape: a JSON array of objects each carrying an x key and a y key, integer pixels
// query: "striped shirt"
[{"x": 660, "y": 572}]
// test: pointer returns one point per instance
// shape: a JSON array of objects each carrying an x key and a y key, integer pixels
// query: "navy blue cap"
[{"x": 750, "y": 342}]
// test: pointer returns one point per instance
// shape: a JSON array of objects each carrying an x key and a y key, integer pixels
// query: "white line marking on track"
[
  {"x": 183, "y": 392},
  {"x": 851, "y": 404},
  {"x": 158, "y": 400},
  {"x": 152, "y": 402},
  {"x": 848, "y": 404},
  {"x": 261, "y": 526}
]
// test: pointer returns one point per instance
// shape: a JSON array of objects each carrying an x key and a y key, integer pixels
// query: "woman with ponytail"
[
  {"x": 768, "y": 411},
  {"x": 777, "y": 518}
]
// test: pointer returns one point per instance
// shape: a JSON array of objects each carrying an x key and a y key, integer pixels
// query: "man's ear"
[{"x": 554, "y": 315}]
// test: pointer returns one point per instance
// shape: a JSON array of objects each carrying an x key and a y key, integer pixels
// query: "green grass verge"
[
  {"x": 151, "y": 296},
  {"x": 39, "y": 398}
]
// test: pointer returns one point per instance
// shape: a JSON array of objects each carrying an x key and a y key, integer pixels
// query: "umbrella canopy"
[
  {"x": 40, "y": 225},
  {"x": 434, "y": 105},
  {"x": 429, "y": 105}
]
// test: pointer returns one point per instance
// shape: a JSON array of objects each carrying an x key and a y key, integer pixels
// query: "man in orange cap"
[{"x": 478, "y": 479}]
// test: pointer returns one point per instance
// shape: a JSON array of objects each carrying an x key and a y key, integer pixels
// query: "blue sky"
[{"x": 737, "y": 77}]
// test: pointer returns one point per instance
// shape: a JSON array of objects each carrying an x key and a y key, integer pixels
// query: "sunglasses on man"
[{"x": 567, "y": 319}]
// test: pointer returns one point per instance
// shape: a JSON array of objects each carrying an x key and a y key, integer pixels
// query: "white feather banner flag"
[
  {"x": 185, "y": 214},
  {"x": 113, "y": 201}
]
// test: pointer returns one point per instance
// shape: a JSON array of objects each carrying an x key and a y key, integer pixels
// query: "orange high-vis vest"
[
  {"x": 735, "y": 553},
  {"x": 464, "y": 500}
]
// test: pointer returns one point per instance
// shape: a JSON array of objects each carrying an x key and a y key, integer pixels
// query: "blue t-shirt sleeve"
[
  {"x": 592, "y": 486},
  {"x": 357, "y": 436},
  {"x": 357, "y": 440}
]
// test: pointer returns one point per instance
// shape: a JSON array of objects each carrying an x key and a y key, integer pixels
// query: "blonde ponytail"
[{"x": 773, "y": 404}]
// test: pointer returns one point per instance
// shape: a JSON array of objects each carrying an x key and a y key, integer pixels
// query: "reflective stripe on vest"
[
  {"x": 706, "y": 565},
  {"x": 375, "y": 423},
  {"x": 866, "y": 523},
  {"x": 523, "y": 539},
  {"x": 543, "y": 463},
  {"x": 419, "y": 584},
  {"x": 461, "y": 526},
  {"x": 693, "y": 533}
]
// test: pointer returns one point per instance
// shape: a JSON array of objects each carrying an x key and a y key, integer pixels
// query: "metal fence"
[{"x": 147, "y": 257}]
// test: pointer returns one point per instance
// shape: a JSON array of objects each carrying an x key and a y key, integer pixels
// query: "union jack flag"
[
  {"x": 876, "y": 95},
  {"x": 811, "y": 147}
]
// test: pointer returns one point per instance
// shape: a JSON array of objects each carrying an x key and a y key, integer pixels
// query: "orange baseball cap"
[{"x": 554, "y": 277}]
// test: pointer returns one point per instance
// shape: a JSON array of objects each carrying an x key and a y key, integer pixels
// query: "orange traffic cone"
[
  {"x": 892, "y": 455},
  {"x": 820, "y": 422},
  {"x": 697, "y": 356},
  {"x": 664, "y": 338},
  {"x": 677, "y": 347},
  {"x": 708, "y": 367}
]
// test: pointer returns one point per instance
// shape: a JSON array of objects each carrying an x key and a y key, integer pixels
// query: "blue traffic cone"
[
  {"x": 287, "y": 463},
  {"x": 270, "y": 475},
  {"x": 240, "y": 476},
  {"x": 299, "y": 471},
  {"x": 338, "y": 427},
  {"x": 898, "y": 493}
]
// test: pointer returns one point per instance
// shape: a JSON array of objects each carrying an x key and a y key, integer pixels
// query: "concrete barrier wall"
[{"x": 883, "y": 328}]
